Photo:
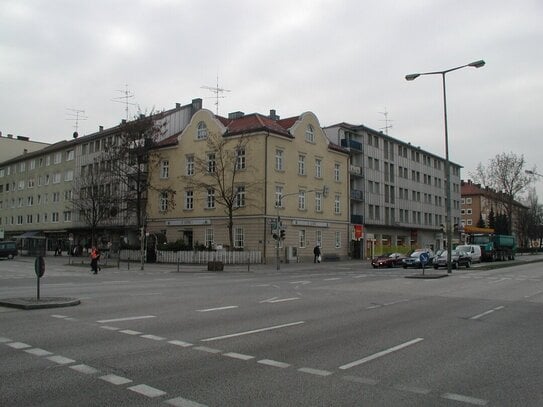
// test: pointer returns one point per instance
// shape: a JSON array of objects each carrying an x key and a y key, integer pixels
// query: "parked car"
[
  {"x": 473, "y": 250},
  {"x": 459, "y": 258},
  {"x": 8, "y": 249},
  {"x": 413, "y": 260},
  {"x": 388, "y": 260}
]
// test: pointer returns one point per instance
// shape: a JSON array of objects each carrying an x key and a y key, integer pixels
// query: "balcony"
[
  {"x": 352, "y": 145},
  {"x": 357, "y": 219}
]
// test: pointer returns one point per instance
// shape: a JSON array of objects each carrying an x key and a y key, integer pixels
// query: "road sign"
[
  {"x": 39, "y": 266},
  {"x": 424, "y": 258}
]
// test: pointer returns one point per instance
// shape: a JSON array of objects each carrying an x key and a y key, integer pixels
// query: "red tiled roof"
[{"x": 253, "y": 122}]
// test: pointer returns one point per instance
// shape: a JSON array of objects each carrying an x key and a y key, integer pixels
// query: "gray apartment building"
[{"x": 397, "y": 190}]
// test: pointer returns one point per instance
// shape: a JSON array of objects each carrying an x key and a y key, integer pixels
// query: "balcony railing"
[
  {"x": 353, "y": 145},
  {"x": 357, "y": 194},
  {"x": 357, "y": 219}
]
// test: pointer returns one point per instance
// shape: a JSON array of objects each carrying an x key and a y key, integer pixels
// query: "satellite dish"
[{"x": 76, "y": 134}]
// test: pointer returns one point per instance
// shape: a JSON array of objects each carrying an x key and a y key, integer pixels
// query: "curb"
[{"x": 30, "y": 303}]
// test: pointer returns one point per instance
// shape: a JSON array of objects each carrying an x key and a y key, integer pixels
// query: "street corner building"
[{"x": 235, "y": 183}]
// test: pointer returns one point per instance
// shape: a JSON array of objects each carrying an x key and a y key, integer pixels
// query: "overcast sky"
[{"x": 344, "y": 60}]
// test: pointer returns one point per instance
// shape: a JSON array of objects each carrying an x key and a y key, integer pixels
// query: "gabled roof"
[{"x": 254, "y": 122}]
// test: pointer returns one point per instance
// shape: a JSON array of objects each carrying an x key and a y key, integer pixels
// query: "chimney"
[
  {"x": 196, "y": 104},
  {"x": 10, "y": 135},
  {"x": 178, "y": 105},
  {"x": 273, "y": 115},
  {"x": 123, "y": 121},
  {"x": 25, "y": 151},
  {"x": 236, "y": 115},
  {"x": 100, "y": 128}
]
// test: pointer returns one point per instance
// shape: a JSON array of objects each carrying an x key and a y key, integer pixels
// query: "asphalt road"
[{"x": 338, "y": 334}]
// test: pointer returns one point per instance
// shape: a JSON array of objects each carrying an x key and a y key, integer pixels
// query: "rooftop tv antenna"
[
  {"x": 127, "y": 95},
  {"x": 76, "y": 115},
  {"x": 387, "y": 122},
  {"x": 218, "y": 93}
]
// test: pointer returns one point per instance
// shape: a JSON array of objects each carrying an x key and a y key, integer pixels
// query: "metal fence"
[{"x": 197, "y": 257}]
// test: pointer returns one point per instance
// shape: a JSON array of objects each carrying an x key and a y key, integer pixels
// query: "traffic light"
[
  {"x": 282, "y": 234},
  {"x": 275, "y": 236}
]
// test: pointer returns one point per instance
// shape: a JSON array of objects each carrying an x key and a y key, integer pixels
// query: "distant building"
[
  {"x": 13, "y": 146},
  {"x": 287, "y": 169},
  {"x": 397, "y": 191}
]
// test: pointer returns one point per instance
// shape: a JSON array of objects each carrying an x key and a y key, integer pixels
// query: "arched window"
[{"x": 202, "y": 131}]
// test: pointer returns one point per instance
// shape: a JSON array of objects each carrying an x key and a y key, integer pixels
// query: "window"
[
  {"x": 56, "y": 197},
  {"x": 301, "y": 164},
  {"x": 278, "y": 196},
  {"x": 67, "y": 216},
  {"x": 48, "y": 160},
  {"x": 301, "y": 200},
  {"x": 279, "y": 156},
  {"x": 209, "y": 237},
  {"x": 240, "y": 159},
  {"x": 32, "y": 164},
  {"x": 318, "y": 168},
  {"x": 68, "y": 195},
  {"x": 337, "y": 204},
  {"x": 337, "y": 239},
  {"x": 309, "y": 134},
  {"x": 210, "y": 198},
  {"x": 211, "y": 163},
  {"x": 163, "y": 202},
  {"x": 202, "y": 131},
  {"x": 30, "y": 201},
  {"x": 47, "y": 179},
  {"x": 56, "y": 178},
  {"x": 84, "y": 149},
  {"x": 336, "y": 172},
  {"x": 468, "y": 201},
  {"x": 21, "y": 184},
  {"x": 164, "y": 169},
  {"x": 31, "y": 183},
  {"x": 240, "y": 196},
  {"x": 22, "y": 167},
  {"x": 57, "y": 158},
  {"x": 318, "y": 237},
  {"x": 239, "y": 237},
  {"x": 301, "y": 238},
  {"x": 69, "y": 175},
  {"x": 318, "y": 201},
  {"x": 190, "y": 165},
  {"x": 189, "y": 199},
  {"x": 54, "y": 217},
  {"x": 70, "y": 155}
]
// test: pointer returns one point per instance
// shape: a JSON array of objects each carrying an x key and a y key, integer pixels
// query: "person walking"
[
  {"x": 95, "y": 256},
  {"x": 317, "y": 254}
]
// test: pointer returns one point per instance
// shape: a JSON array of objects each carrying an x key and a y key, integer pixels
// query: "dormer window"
[
  {"x": 309, "y": 134},
  {"x": 202, "y": 131}
]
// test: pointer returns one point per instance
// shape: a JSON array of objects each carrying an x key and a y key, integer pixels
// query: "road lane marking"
[
  {"x": 380, "y": 354},
  {"x": 130, "y": 332},
  {"x": 182, "y": 402},
  {"x": 4, "y": 339},
  {"x": 270, "y": 328},
  {"x": 316, "y": 372},
  {"x": 18, "y": 345},
  {"x": 533, "y": 295},
  {"x": 147, "y": 391},
  {"x": 116, "y": 380},
  {"x": 61, "y": 360},
  {"x": 110, "y": 328},
  {"x": 38, "y": 352},
  {"x": 300, "y": 282},
  {"x": 240, "y": 356},
  {"x": 153, "y": 337},
  {"x": 218, "y": 308},
  {"x": 105, "y": 321},
  {"x": 273, "y": 300},
  {"x": 180, "y": 343},
  {"x": 59, "y": 316},
  {"x": 206, "y": 349},
  {"x": 85, "y": 369},
  {"x": 273, "y": 363},
  {"x": 465, "y": 399},
  {"x": 332, "y": 279},
  {"x": 488, "y": 312}
]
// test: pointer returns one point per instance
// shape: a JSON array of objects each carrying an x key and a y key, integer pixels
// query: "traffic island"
[
  {"x": 427, "y": 276},
  {"x": 29, "y": 303}
]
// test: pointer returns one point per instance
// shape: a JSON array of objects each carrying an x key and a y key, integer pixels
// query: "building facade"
[
  {"x": 13, "y": 146},
  {"x": 286, "y": 170},
  {"x": 398, "y": 192}
]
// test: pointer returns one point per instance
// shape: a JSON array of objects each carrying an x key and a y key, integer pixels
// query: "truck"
[{"x": 495, "y": 247}]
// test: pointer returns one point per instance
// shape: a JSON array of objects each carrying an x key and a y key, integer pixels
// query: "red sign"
[{"x": 358, "y": 232}]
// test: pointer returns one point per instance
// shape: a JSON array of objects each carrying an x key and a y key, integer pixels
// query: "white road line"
[
  {"x": 38, "y": 352},
  {"x": 105, "y": 321},
  {"x": 465, "y": 399},
  {"x": 218, "y": 308},
  {"x": 130, "y": 332},
  {"x": 240, "y": 356},
  {"x": 268, "y": 300},
  {"x": 61, "y": 360},
  {"x": 85, "y": 369},
  {"x": 153, "y": 337},
  {"x": 59, "y": 316},
  {"x": 18, "y": 345},
  {"x": 4, "y": 339},
  {"x": 300, "y": 282},
  {"x": 147, "y": 391},
  {"x": 253, "y": 331},
  {"x": 273, "y": 363},
  {"x": 182, "y": 402},
  {"x": 488, "y": 312},
  {"x": 332, "y": 279},
  {"x": 180, "y": 343},
  {"x": 110, "y": 328},
  {"x": 533, "y": 295},
  {"x": 501, "y": 280},
  {"x": 206, "y": 349},
  {"x": 315, "y": 372},
  {"x": 275, "y": 299},
  {"x": 116, "y": 380},
  {"x": 380, "y": 354}
]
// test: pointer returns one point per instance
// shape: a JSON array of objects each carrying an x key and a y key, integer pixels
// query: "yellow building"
[{"x": 264, "y": 169}]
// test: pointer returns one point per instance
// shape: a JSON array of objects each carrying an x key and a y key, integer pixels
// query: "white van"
[{"x": 473, "y": 250}]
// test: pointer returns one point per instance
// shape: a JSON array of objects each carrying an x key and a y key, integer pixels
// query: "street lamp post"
[{"x": 411, "y": 77}]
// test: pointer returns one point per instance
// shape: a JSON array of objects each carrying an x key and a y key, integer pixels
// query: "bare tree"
[
  {"x": 217, "y": 176},
  {"x": 505, "y": 174}
]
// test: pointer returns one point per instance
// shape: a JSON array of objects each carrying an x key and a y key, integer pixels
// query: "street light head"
[
  {"x": 412, "y": 76},
  {"x": 477, "y": 64}
]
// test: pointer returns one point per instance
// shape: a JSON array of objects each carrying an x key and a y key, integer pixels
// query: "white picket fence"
[{"x": 197, "y": 257}]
